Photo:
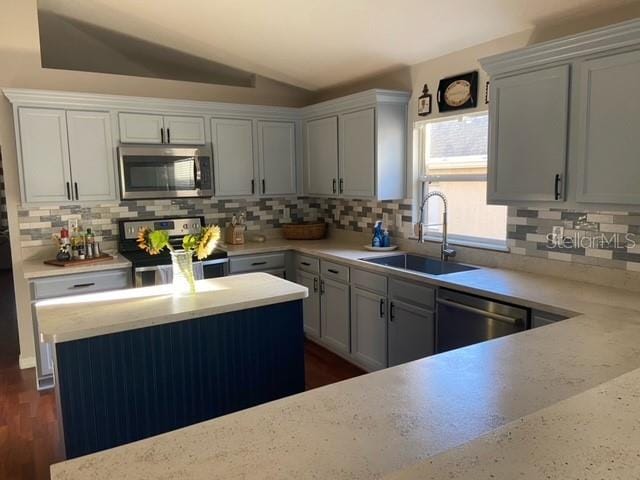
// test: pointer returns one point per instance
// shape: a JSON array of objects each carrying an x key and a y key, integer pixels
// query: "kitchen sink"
[{"x": 417, "y": 263}]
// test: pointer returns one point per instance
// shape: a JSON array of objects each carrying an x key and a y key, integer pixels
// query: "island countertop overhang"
[{"x": 83, "y": 316}]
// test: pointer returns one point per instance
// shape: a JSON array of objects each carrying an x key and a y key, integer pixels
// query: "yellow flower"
[
  {"x": 208, "y": 239},
  {"x": 144, "y": 242}
]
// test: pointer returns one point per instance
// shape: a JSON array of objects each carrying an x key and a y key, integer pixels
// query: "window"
[{"x": 453, "y": 154}]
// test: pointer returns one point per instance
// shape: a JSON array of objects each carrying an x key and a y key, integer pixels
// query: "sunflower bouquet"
[{"x": 200, "y": 245}]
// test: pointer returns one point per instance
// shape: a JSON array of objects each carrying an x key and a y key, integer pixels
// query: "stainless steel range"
[{"x": 156, "y": 269}]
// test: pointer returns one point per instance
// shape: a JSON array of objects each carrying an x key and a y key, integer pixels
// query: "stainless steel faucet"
[{"x": 445, "y": 251}]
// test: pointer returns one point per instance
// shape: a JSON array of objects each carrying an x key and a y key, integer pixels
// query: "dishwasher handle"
[{"x": 478, "y": 311}]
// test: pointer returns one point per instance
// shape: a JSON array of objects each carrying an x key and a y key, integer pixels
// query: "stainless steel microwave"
[{"x": 150, "y": 171}]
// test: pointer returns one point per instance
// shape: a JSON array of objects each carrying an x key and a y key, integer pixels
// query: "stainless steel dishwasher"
[{"x": 464, "y": 319}]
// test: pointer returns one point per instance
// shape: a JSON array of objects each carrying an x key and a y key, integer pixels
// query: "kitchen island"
[{"x": 135, "y": 363}]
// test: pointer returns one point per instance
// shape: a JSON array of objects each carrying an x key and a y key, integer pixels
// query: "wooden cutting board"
[{"x": 105, "y": 257}]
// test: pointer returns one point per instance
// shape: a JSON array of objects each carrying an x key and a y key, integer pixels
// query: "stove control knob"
[{"x": 185, "y": 227}]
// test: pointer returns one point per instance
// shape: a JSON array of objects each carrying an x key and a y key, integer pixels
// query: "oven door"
[
  {"x": 215, "y": 268},
  {"x": 164, "y": 172},
  {"x": 161, "y": 274}
]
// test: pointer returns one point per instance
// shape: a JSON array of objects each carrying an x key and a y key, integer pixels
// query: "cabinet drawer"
[
  {"x": 413, "y": 293},
  {"x": 256, "y": 263},
  {"x": 66, "y": 285},
  {"x": 308, "y": 264},
  {"x": 334, "y": 271},
  {"x": 369, "y": 281}
]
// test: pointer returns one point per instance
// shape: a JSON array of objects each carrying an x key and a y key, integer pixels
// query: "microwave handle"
[{"x": 198, "y": 173}]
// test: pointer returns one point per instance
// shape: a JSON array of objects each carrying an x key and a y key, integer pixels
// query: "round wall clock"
[{"x": 458, "y": 92}]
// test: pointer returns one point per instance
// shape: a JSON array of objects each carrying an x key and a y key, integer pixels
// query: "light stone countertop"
[
  {"x": 593, "y": 435},
  {"x": 90, "y": 315},
  {"x": 35, "y": 268},
  {"x": 396, "y": 419}
]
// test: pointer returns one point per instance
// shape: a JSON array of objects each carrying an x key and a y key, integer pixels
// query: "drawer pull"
[
  {"x": 83, "y": 285},
  {"x": 255, "y": 264},
  {"x": 306, "y": 264},
  {"x": 331, "y": 270}
]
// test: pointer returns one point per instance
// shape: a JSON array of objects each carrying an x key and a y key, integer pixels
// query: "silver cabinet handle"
[
  {"x": 315, "y": 284},
  {"x": 83, "y": 285},
  {"x": 255, "y": 264},
  {"x": 321, "y": 287},
  {"x": 382, "y": 308},
  {"x": 484, "y": 313}
]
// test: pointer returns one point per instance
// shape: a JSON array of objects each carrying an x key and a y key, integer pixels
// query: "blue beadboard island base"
[{"x": 125, "y": 386}]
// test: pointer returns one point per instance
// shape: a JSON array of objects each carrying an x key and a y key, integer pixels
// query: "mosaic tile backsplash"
[
  {"x": 38, "y": 224},
  {"x": 603, "y": 239}
]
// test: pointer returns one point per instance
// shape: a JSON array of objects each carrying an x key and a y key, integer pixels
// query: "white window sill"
[{"x": 467, "y": 243}]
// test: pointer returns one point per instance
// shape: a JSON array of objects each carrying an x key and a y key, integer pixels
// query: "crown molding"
[
  {"x": 367, "y": 98},
  {"x": 77, "y": 100},
  {"x": 625, "y": 34}
]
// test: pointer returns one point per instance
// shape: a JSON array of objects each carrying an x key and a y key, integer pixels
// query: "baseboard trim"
[{"x": 26, "y": 362}]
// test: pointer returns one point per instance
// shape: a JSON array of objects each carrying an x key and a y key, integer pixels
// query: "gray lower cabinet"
[
  {"x": 63, "y": 286},
  {"x": 410, "y": 333},
  {"x": 335, "y": 315},
  {"x": 368, "y": 329},
  {"x": 311, "y": 304},
  {"x": 273, "y": 263}
]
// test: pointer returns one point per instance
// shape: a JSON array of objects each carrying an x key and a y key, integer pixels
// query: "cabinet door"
[
  {"x": 528, "y": 136},
  {"x": 277, "y": 154},
  {"x": 311, "y": 304},
  {"x": 141, "y": 128},
  {"x": 45, "y": 155},
  {"x": 411, "y": 333},
  {"x": 321, "y": 156},
  {"x": 357, "y": 154},
  {"x": 233, "y": 156},
  {"x": 92, "y": 155},
  {"x": 184, "y": 130},
  {"x": 334, "y": 314},
  {"x": 609, "y": 146},
  {"x": 369, "y": 329}
]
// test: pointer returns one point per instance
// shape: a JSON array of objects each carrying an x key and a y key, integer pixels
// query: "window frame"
[{"x": 423, "y": 181}]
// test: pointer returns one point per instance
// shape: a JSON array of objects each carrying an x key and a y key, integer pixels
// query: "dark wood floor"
[{"x": 29, "y": 440}]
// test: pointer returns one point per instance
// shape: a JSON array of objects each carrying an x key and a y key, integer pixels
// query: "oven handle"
[
  {"x": 217, "y": 261},
  {"x": 479, "y": 311}
]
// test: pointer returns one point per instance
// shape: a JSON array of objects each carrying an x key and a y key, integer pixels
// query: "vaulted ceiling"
[{"x": 315, "y": 44}]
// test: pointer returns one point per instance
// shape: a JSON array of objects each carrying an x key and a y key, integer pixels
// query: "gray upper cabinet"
[
  {"x": 563, "y": 119},
  {"x": 355, "y": 146},
  {"x": 169, "y": 129},
  {"x": 357, "y": 154},
  {"x": 46, "y": 172},
  {"x": 141, "y": 128},
  {"x": 609, "y": 142},
  {"x": 233, "y": 157},
  {"x": 277, "y": 157},
  {"x": 91, "y": 152},
  {"x": 184, "y": 130},
  {"x": 74, "y": 148},
  {"x": 528, "y": 136},
  {"x": 321, "y": 156}
]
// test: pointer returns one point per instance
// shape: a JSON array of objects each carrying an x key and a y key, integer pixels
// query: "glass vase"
[{"x": 183, "y": 278}]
